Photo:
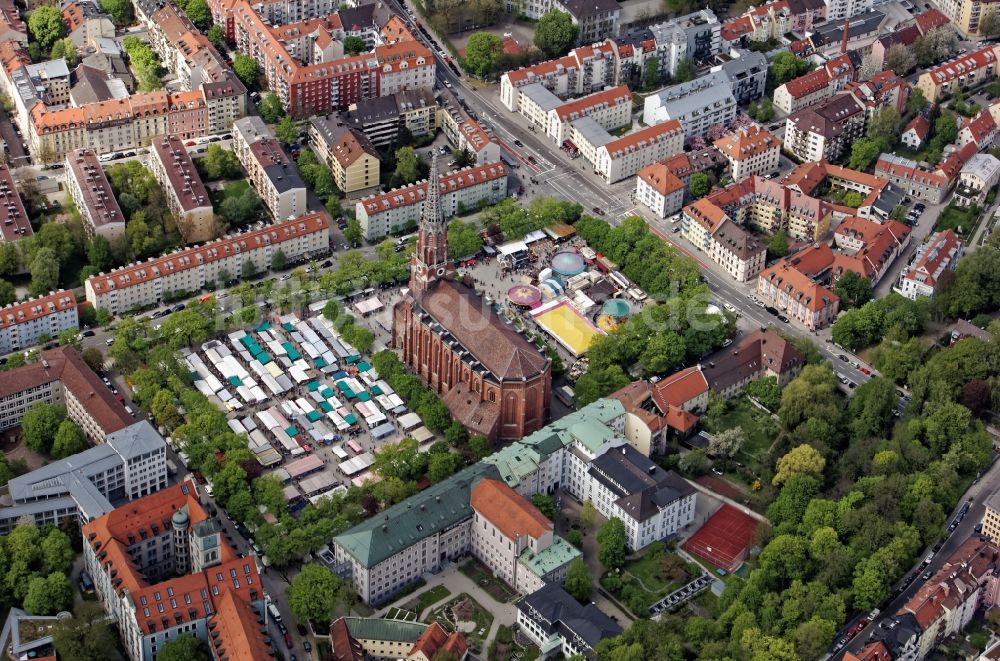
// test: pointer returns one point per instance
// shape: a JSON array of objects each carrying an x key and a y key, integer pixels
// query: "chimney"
[{"x": 843, "y": 42}]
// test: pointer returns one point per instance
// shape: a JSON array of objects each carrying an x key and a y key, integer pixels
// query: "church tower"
[{"x": 430, "y": 260}]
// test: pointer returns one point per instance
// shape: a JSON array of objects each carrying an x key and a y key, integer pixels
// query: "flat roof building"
[{"x": 130, "y": 464}]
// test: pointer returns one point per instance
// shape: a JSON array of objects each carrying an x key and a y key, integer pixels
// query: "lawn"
[
  {"x": 646, "y": 579},
  {"x": 483, "y": 577},
  {"x": 758, "y": 426},
  {"x": 465, "y": 614},
  {"x": 427, "y": 599},
  {"x": 231, "y": 189},
  {"x": 963, "y": 220}
]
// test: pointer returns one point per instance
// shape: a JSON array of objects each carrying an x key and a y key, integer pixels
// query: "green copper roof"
[
  {"x": 561, "y": 553},
  {"x": 397, "y": 631},
  {"x": 419, "y": 516}
]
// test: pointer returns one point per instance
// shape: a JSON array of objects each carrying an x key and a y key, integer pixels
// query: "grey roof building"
[
  {"x": 597, "y": 19},
  {"x": 697, "y": 104},
  {"x": 131, "y": 463},
  {"x": 747, "y": 71},
  {"x": 642, "y": 487},
  {"x": 556, "y": 621}
]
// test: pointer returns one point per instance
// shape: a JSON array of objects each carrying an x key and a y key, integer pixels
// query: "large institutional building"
[
  {"x": 493, "y": 380},
  {"x": 130, "y": 464},
  {"x": 162, "y": 569},
  {"x": 587, "y": 453}
]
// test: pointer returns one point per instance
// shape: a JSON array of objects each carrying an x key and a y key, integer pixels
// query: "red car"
[
  {"x": 289, "y": 643},
  {"x": 190, "y": 143},
  {"x": 865, "y": 370}
]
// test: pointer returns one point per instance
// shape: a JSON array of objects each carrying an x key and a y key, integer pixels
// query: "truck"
[
  {"x": 565, "y": 394},
  {"x": 171, "y": 467},
  {"x": 273, "y": 610}
]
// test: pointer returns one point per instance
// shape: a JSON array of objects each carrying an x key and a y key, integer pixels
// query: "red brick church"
[{"x": 493, "y": 381}]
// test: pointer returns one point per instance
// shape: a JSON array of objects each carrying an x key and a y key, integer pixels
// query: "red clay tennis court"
[{"x": 724, "y": 539}]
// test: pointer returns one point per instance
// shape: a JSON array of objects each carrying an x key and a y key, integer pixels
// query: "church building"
[{"x": 492, "y": 379}]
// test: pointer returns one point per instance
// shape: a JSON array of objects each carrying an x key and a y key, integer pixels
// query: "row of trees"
[
  {"x": 150, "y": 229},
  {"x": 145, "y": 63}
]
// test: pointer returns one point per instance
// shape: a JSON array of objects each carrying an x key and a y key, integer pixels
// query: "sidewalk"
[{"x": 457, "y": 583}]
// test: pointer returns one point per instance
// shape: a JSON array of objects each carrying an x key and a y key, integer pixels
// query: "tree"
[
  {"x": 443, "y": 465},
  {"x": 785, "y": 67},
  {"x": 854, "y": 290},
  {"x": 727, "y": 442},
  {"x": 99, "y": 253},
  {"x": 354, "y": 45},
  {"x": 407, "y": 166},
  {"x": 588, "y": 515},
  {"x": 240, "y": 210},
  {"x": 402, "y": 460},
  {"x": 85, "y": 637},
  {"x": 270, "y": 108},
  {"x": 611, "y": 541},
  {"x": 120, "y": 11},
  {"x": 66, "y": 49},
  {"x": 802, "y": 460},
  {"x": 700, "y": 184},
  {"x": 545, "y": 505},
  {"x": 286, "y": 131},
  {"x": 199, "y": 13},
  {"x": 314, "y": 593},
  {"x": 94, "y": 358},
  {"x": 49, "y": 595},
  {"x": 183, "y": 648},
  {"x": 885, "y": 125},
  {"x": 217, "y": 36},
  {"x": 46, "y": 26},
  {"x": 762, "y": 111},
  {"x": 915, "y": 102},
  {"x": 145, "y": 63},
  {"x": 578, "y": 583},
  {"x": 900, "y": 59},
  {"x": 685, "y": 71},
  {"x": 777, "y": 245},
  {"x": 479, "y": 447},
  {"x": 247, "y": 70},
  {"x": 694, "y": 462},
  {"x": 482, "y": 54},
  {"x": 353, "y": 232},
  {"x": 651, "y": 74},
  {"x": 57, "y": 552},
  {"x": 766, "y": 391},
  {"x": 8, "y": 293},
  {"x": 44, "y": 272},
  {"x": 555, "y": 33},
  {"x": 69, "y": 440},
  {"x": 463, "y": 239},
  {"x": 220, "y": 163},
  {"x": 599, "y": 382},
  {"x": 40, "y": 425},
  {"x": 278, "y": 260},
  {"x": 864, "y": 151},
  {"x": 989, "y": 24}
]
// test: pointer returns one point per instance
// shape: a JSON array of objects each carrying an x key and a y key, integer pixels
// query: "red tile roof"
[
  {"x": 680, "y": 388},
  {"x": 508, "y": 511},
  {"x": 808, "y": 83},
  {"x": 453, "y": 181},
  {"x": 930, "y": 19},
  {"x": 435, "y": 639},
  {"x": 920, "y": 126},
  {"x": 20, "y": 313},
  {"x": 605, "y": 98},
  {"x": 748, "y": 142},
  {"x": 963, "y": 65},
  {"x": 706, "y": 214},
  {"x": 938, "y": 251},
  {"x": 643, "y": 137},
  {"x": 799, "y": 286},
  {"x": 659, "y": 177}
]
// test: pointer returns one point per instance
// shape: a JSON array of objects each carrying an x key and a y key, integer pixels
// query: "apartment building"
[
  {"x": 738, "y": 251},
  {"x": 272, "y": 174},
  {"x": 61, "y": 377},
  {"x": 750, "y": 151},
  {"x": 91, "y": 191},
  {"x": 929, "y": 185},
  {"x": 596, "y": 19},
  {"x": 382, "y": 118},
  {"x": 611, "y": 109},
  {"x": 979, "y": 175},
  {"x": 940, "y": 82},
  {"x": 621, "y": 158},
  {"x": 584, "y": 70},
  {"x": 939, "y": 253},
  {"x": 12, "y": 27},
  {"x": 186, "y": 195},
  {"x": 838, "y": 10},
  {"x": 463, "y": 132},
  {"x": 190, "y": 269},
  {"x": 696, "y": 104},
  {"x": 991, "y": 517},
  {"x": 659, "y": 190},
  {"x": 825, "y": 131},
  {"x": 514, "y": 540},
  {"x": 163, "y": 569},
  {"x": 747, "y": 72},
  {"x": 86, "y": 21},
  {"x": 393, "y": 549},
  {"x": 554, "y": 620},
  {"x": 14, "y": 222},
  {"x": 880, "y": 196},
  {"x": 24, "y": 323},
  {"x": 129, "y": 464},
  {"x": 399, "y": 208},
  {"x": 966, "y": 14},
  {"x": 804, "y": 91},
  {"x": 785, "y": 286},
  {"x": 132, "y": 122},
  {"x": 348, "y": 152},
  {"x": 868, "y": 248},
  {"x": 980, "y": 130}
]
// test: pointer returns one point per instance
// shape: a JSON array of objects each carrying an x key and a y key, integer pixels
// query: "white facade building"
[
  {"x": 23, "y": 324},
  {"x": 696, "y": 104}
]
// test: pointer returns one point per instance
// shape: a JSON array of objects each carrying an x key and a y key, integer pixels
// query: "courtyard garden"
[
  {"x": 466, "y": 615},
  {"x": 427, "y": 599},
  {"x": 963, "y": 220},
  {"x": 484, "y": 578},
  {"x": 648, "y": 577}
]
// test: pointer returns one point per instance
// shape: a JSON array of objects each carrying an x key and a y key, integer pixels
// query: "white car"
[{"x": 730, "y": 307}]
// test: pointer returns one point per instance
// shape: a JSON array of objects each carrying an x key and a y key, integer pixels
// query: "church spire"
[{"x": 430, "y": 259}]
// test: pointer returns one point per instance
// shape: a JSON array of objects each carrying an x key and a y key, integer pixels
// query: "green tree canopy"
[
  {"x": 354, "y": 45},
  {"x": 270, "y": 108},
  {"x": 247, "y": 70},
  {"x": 463, "y": 239},
  {"x": 555, "y": 33},
  {"x": 40, "y": 425},
  {"x": 46, "y": 25},
  {"x": 700, "y": 185},
  {"x": 217, "y": 36},
  {"x": 183, "y": 648},
  {"x": 482, "y": 54},
  {"x": 854, "y": 290},
  {"x": 802, "y": 460},
  {"x": 49, "y": 595},
  {"x": 120, "y": 11},
  {"x": 69, "y": 440},
  {"x": 579, "y": 583},
  {"x": 314, "y": 593},
  {"x": 612, "y": 544}
]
